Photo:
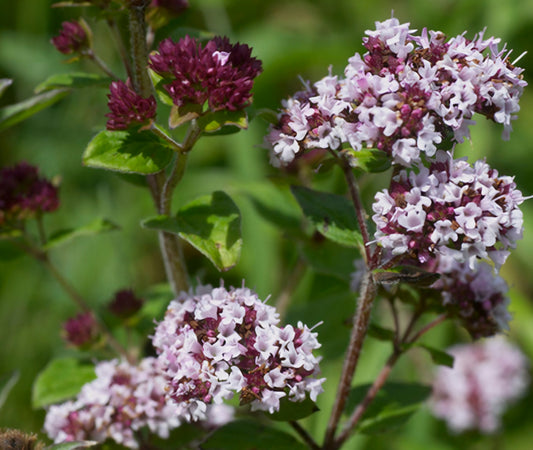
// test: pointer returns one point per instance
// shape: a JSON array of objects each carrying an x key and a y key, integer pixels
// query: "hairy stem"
[
  {"x": 359, "y": 330},
  {"x": 121, "y": 47}
]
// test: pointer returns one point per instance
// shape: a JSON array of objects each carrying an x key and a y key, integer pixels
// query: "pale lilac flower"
[
  {"x": 449, "y": 209},
  {"x": 404, "y": 96},
  {"x": 120, "y": 401},
  {"x": 214, "y": 343},
  {"x": 486, "y": 377}
]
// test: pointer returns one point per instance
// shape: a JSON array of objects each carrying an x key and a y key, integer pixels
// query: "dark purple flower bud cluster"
[
  {"x": 125, "y": 303},
  {"x": 449, "y": 210},
  {"x": 23, "y": 194},
  {"x": 217, "y": 342},
  {"x": 71, "y": 39},
  {"x": 485, "y": 379},
  {"x": 121, "y": 400},
  {"x": 217, "y": 73},
  {"x": 174, "y": 6},
  {"x": 81, "y": 330},
  {"x": 404, "y": 96},
  {"x": 128, "y": 108}
]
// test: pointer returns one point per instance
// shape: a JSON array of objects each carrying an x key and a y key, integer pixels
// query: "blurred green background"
[{"x": 292, "y": 38}]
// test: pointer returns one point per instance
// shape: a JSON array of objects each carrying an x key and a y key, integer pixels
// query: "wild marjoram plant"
[{"x": 443, "y": 229}]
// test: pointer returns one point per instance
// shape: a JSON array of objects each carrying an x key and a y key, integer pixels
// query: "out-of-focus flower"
[
  {"x": 477, "y": 297},
  {"x": 486, "y": 377},
  {"x": 23, "y": 194},
  {"x": 174, "y": 6},
  {"x": 125, "y": 303},
  {"x": 451, "y": 209},
  {"x": 127, "y": 107},
  {"x": 71, "y": 39},
  {"x": 404, "y": 96},
  {"x": 217, "y": 73},
  {"x": 121, "y": 400},
  {"x": 82, "y": 330},
  {"x": 213, "y": 343}
]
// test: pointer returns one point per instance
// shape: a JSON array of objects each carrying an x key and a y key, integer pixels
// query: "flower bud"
[
  {"x": 128, "y": 108},
  {"x": 71, "y": 39}
]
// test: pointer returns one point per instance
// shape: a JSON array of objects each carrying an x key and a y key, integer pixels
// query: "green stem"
[
  {"x": 101, "y": 64},
  {"x": 304, "y": 435},
  {"x": 121, "y": 47},
  {"x": 359, "y": 331}
]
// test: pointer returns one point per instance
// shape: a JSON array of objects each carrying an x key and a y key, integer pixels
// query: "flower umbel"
[
  {"x": 128, "y": 108},
  {"x": 217, "y": 73},
  {"x": 213, "y": 343},
  {"x": 486, "y": 377}
]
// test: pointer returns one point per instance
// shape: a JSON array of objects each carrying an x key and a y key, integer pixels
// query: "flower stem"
[
  {"x": 121, "y": 47},
  {"x": 101, "y": 64},
  {"x": 304, "y": 435},
  {"x": 359, "y": 329}
]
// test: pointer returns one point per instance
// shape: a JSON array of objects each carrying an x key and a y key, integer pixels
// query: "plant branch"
[
  {"x": 121, "y": 47},
  {"x": 304, "y": 435},
  {"x": 101, "y": 64},
  {"x": 359, "y": 331},
  {"x": 428, "y": 327}
]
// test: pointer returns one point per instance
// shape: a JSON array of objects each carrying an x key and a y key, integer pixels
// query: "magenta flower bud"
[
  {"x": 71, "y": 39},
  {"x": 82, "y": 330},
  {"x": 125, "y": 304},
  {"x": 175, "y": 7},
  {"x": 218, "y": 73},
  {"x": 23, "y": 193},
  {"x": 127, "y": 107}
]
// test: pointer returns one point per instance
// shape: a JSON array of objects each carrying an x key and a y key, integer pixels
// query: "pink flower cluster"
[
  {"x": 486, "y": 377},
  {"x": 127, "y": 108},
  {"x": 218, "y": 72},
  {"x": 24, "y": 193},
  {"x": 72, "y": 38},
  {"x": 120, "y": 401},
  {"x": 404, "y": 96},
  {"x": 449, "y": 210},
  {"x": 216, "y": 342}
]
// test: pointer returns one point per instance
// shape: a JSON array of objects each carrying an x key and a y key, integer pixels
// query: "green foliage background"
[{"x": 292, "y": 38}]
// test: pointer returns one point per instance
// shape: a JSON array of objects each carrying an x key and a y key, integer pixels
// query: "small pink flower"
[{"x": 71, "y": 39}]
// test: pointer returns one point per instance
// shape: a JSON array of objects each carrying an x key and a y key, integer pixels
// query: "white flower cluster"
[
  {"x": 121, "y": 400},
  {"x": 404, "y": 96},
  {"x": 452, "y": 210},
  {"x": 213, "y": 343},
  {"x": 486, "y": 377}
]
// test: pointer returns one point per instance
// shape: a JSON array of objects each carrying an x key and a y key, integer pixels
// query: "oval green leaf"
[
  {"x": 95, "y": 227},
  {"x": 214, "y": 121},
  {"x": 60, "y": 380},
  {"x": 73, "y": 80},
  {"x": 289, "y": 410},
  {"x": 331, "y": 214},
  {"x": 247, "y": 435},
  {"x": 128, "y": 152},
  {"x": 13, "y": 114},
  {"x": 211, "y": 224}
]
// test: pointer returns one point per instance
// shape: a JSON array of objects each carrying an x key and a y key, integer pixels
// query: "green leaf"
[
  {"x": 13, "y": 114},
  {"x": 380, "y": 333},
  {"x": 95, "y": 227},
  {"x": 211, "y": 224},
  {"x": 7, "y": 382},
  {"x": 72, "y": 445},
  {"x": 159, "y": 84},
  {"x": 60, "y": 380},
  {"x": 438, "y": 356},
  {"x": 73, "y": 80},
  {"x": 128, "y": 151},
  {"x": 214, "y": 121},
  {"x": 290, "y": 410},
  {"x": 332, "y": 215},
  {"x": 247, "y": 435},
  {"x": 393, "y": 406},
  {"x": 370, "y": 160},
  {"x": 9, "y": 251},
  {"x": 4, "y": 84}
]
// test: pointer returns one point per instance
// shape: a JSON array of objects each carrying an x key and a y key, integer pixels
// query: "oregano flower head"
[
  {"x": 214, "y": 343},
  {"x": 217, "y": 73},
  {"x": 127, "y": 108},
  {"x": 486, "y": 377},
  {"x": 81, "y": 330},
  {"x": 71, "y": 39},
  {"x": 404, "y": 96}
]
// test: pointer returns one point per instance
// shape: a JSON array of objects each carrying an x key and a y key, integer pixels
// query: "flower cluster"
[
  {"x": 174, "y": 6},
  {"x": 81, "y": 330},
  {"x": 125, "y": 303},
  {"x": 449, "y": 209},
  {"x": 404, "y": 96},
  {"x": 218, "y": 73},
  {"x": 486, "y": 377},
  {"x": 121, "y": 400},
  {"x": 23, "y": 193},
  {"x": 217, "y": 342},
  {"x": 127, "y": 107},
  {"x": 476, "y": 297},
  {"x": 71, "y": 39}
]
